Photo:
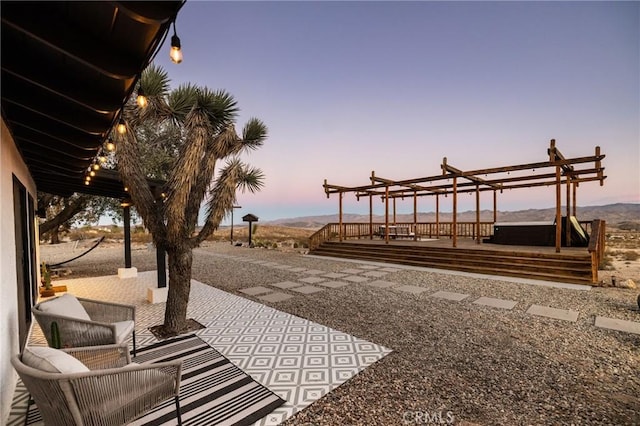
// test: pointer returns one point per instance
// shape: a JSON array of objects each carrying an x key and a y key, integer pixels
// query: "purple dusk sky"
[{"x": 350, "y": 87}]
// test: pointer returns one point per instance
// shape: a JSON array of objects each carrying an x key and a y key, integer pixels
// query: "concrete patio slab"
[
  {"x": 299, "y": 269},
  {"x": 333, "y": 284},
  {"x": 390, "y": 269},
  {"x": 307, "y": 289},
  {"x": 254, "y": 291},
  {"x": 381, "y": 284},
  {"x": 618, "y": 325},
  {"x": 496, "y": 303},
  {"x": 335, "y": 275},
  {"x": 286, "y": 284},
  {"x": 375, "y": 274},
  {"x": 312, "y": 280},
  {"x": 546, "y": 311},
  {"x": 368, "y": 267},
  {"x": 313, "y": 271},
  {"x": 413, "y": 289},
  {"x": 449, "y": 295},
  {"x": 275, "y": 297},
  {"x": 356, "y": 279},
  {"x": 352, "y": 271}
]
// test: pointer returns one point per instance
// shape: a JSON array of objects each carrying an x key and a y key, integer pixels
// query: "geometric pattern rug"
[
  {"x": 213, "y": 391},
  {"x": 297, "y": 359}
]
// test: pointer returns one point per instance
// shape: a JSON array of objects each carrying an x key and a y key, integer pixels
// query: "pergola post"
[
  {"x": 340, "y": 194},
  {"x": 477, "y": 214},
  {"x": 394, "y": 210},
  {"x": 454, "y": 225},
  {"x": 126, "y": 217},
  {"x": 495, "y": 206},
  {"x": 567, "y": 231},
  {"x": 552, "y": 158},
  {"x": 437, "y": 216},
  {"x": 386, "y": 214},
  {"x": 371, "y": 216},
  {"x": 415, "y": 216}
]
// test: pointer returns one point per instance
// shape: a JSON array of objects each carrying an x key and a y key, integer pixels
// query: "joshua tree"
[{"x": 202, "y": 121}]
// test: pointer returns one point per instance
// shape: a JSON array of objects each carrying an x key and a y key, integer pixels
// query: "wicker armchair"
[
  {"x": 113, "y": 392},
  {"x": 105, "y": 323}
]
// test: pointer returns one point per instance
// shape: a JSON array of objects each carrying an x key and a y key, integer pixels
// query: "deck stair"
[{"x": 540, "y": 266}]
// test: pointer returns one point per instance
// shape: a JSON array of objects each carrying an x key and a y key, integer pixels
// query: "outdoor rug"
[{"x": 213, "y": 391}]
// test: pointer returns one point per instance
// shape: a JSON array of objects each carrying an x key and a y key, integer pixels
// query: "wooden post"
[
  {"x": 386, "y": 214},
  {"x": 495, "y": 206},
  {"x": 477, "y": 214},
  {"x": 371, "y": 216},
  {"x": 415, "y": 215},
  {"x": 394, "y": 210},
  {"x": 454, "y": 230},
  {"x": 552, "y": 158},
  {"x": 567, "y": 231},
  {"x": 437, "y": 216},
  {"x": 340, "y": 216},
  {"x": 575, "y": 188}
]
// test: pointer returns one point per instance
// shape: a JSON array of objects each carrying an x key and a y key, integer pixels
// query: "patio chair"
[
  {"x": 85, "y": 322},
  {"x": 95, "y": 385}
]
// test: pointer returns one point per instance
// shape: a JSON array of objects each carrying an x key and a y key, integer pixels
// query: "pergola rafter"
[{"x": 557, "y": 171}]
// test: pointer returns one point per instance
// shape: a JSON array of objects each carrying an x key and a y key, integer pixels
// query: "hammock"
[{"x": 79, "y": 256}]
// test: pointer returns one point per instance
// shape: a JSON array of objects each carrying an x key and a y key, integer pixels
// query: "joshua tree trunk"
[{"x": 180, "y": 260}]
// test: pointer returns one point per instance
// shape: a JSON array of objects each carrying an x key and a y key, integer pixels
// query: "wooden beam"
[{"x": 340, "y": 217}]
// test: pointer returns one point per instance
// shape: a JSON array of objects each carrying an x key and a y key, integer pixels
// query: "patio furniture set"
[{"x": 92, "y": 381}]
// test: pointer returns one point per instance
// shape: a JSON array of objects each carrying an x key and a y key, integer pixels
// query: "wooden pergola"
[{"x": 556, "y": 171}]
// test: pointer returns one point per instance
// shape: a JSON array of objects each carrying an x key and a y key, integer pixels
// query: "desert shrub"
[{"x": 630, "y": 255}]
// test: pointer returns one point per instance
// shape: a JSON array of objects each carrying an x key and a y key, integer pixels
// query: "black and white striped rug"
[{"x": 213, "y": 391}]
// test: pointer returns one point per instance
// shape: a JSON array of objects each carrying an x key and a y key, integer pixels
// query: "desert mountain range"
[{"x": 613, "y": 214}]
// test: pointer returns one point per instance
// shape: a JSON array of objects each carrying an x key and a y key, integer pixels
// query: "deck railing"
[
  {"x": 358, "y": 230},
  {"x": 596, "y": 246}
]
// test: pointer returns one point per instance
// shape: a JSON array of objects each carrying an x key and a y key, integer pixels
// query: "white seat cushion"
[
  {"x": 66, "y": 305},
  {"x": 52, "y": 360},
  {"x": 123, "y": 330}
]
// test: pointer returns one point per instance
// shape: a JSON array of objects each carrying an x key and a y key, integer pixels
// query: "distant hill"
[{"x": 613, "y": 214}]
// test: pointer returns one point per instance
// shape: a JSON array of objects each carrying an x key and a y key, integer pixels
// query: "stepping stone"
[
  {"x": 381, "y": 284},
  {"x": 298, "y": 269},
  {"x": 496, "y": 303},
  {"x": 356, "y": 279},
  {"x": 287, "y": 284},
  {"x": 448, "y": 295},
  {"x": 368, "y": 267},
  {"x": 275, "y": 297},
  {"x": 307, "y": 289},
  {"x": 411, "y": 289},
  {"x": 283, "y": 267},
  {"x": 352, "y": 271},
  {"x": 390, "y": 270},
  {"x": 312, "y": 280},
  {"x": 561, "y": 314},
  {"x": 618, "y": 325},
  {"x": 333, "y": 284},
  {"x": 375, "y": 274},
  {"x": 335, "y": 275},
  {"x": 253, "y": 291},
  {"x": 313, "y": 272}
]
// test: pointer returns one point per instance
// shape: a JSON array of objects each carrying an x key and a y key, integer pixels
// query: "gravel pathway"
[{"x": 453, "y": 360}]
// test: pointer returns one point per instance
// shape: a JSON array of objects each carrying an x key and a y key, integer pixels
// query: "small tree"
[{"x": 202, "y": 124}]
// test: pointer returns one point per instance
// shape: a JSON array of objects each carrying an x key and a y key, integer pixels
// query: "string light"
[
  {"x": 95, "y": 166},
  {"x": 141, "y": 100},
  {"x": 110, "y": 146},
  {"x": 176, "y": 49},
  {"x": 121, "y": 127}
]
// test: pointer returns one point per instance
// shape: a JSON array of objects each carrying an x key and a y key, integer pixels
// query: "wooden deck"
[{"x": 571, "y": 265}]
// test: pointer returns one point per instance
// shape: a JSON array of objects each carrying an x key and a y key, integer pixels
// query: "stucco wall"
[{"x": 10, "y": 164}]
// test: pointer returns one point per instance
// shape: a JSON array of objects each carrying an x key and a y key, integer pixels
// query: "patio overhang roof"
[{"x": 67, "y": 70}]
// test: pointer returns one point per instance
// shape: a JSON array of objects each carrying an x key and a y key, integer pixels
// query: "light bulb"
[
  {"x": 122, "y": 128},
  {"x": 176, "y": 52},
  {"x": 110, "y": 146},
  {"x": 95, "y": 166},
  {"x": 141, "y": 99}
]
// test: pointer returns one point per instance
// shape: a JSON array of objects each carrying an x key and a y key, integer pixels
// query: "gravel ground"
[{"x": 452, "y": 361}]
